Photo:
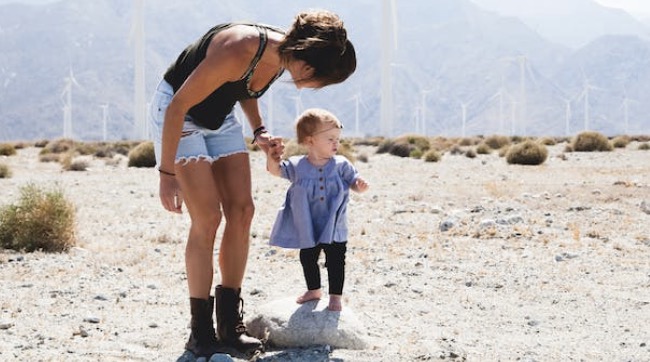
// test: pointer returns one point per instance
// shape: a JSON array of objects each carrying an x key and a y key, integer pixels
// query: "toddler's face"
[{"x": 325, "y": 142}]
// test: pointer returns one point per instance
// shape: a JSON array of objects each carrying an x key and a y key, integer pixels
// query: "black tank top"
[{"x": 212, "y": 111}]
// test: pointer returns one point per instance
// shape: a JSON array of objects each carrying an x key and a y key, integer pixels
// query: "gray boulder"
[{"x": 289, "y": 324}]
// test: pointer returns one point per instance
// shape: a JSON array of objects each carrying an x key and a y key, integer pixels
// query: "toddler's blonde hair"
[{"x": 313, "y": 120}]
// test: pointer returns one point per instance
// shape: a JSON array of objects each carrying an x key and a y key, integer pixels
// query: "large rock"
[{"x": 289, "y": 324}]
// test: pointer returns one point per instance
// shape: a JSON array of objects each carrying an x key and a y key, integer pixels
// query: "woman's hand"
[
  {"x": 171, "y": 196},
  {"x": 272, "y": 146}
]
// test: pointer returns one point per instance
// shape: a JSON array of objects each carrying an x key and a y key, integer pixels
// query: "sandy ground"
[{"x": 541, "y": 263}]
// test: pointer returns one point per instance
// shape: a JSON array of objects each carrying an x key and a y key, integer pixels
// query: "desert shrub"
[
  {"x": 7, "y": 149},
  {"x": 60, "y": 145},
  {"x": 369, "y": 141},
  {"x": 496, "y": 142},
  {"x": 292, "y": 148},
  {"x": 456, "y": 150},
  {"x": 41, "y": 220},
  {"x": 346, "y": 149},
  {"x": 41, "y": 143},
  {"x": 483, "y": 149},
  {"x": 431, "y": 156},
  {"x": 416, "y": 153},
  {"x": 5, "y": 171},
  {"x": 466, "y": 142},
  {"x": 470, "y": 153},
  {"x": 517, "y": 139},
  {"x": 590, "y": 141},
  {"x": 620, "y": 141},
  {"x": 527, "y": 153},
  {"x": 70, "y": 163},
  {"x": 401, "y": 149},
  {"x": 644, "y": 146},
  {"x": 142, "y": 155},
  {"x": 48, "y": 157},
  {"x": 547, "y": 141},
  {"x": 503, "y": 151},
  {"x": 440, "y": 143}
]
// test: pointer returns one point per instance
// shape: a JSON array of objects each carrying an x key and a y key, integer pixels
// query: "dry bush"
[
  {"x": 470, "y": 153},
  {"x": 547, "y": 141},
  {"x": 41, "y": 220},
  {"x": 41, "y": 143},
  {"x": 456, "y": 150},
  {"x": 640, "y": 138},
  {"x": 402, "y": 146},
  {"x": 497, "y": 142},
  {"x": 368, "y": 141},
  {"x": 621, "y": 141},
  {"x": 142, "y": 155},
  {"x": 5, "y": 171},
  {"x": 416, "y": 153},
  {"x": 503, "y": 151},
  {"x": 591, "y": 141},
  {"x": 644, "y": 146},
  {"x": 292, "y": 148},
  {"x": 362, "y": 157},
  {"x": 61, "y": 145},
  {"x": 431, "y": 156},
  {"x": 483, "y": 149},
  {"x": 527, "y": 153},
  {"x": 7, "y": 149}
]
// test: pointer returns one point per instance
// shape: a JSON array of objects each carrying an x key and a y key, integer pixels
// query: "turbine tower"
[
  {"x": 104, "y": 108},
  {"x": 140, "y": 111},
  {"x": 66, "y": 96},
  {"x": 389, "y": 35}
]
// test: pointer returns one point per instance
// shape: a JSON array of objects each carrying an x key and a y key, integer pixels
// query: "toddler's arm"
[
  {"x": 359, "y": 185},
  {"x": 274, "y": 156}
]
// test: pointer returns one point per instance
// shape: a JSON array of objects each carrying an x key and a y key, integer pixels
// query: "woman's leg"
[
  {"x": 233, "y": 180},
  {"x": 202, "y": 201}
]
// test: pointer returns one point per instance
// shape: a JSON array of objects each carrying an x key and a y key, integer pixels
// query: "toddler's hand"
[{"x": 360, "y": 185}]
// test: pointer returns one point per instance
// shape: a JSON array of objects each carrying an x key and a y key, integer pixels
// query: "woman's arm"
[{"x": 226, "y": 60}]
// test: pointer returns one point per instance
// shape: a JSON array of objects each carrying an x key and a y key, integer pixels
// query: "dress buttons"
[
  {"x": 322, "y": 198},
  {"x": 322, "y": 187}
]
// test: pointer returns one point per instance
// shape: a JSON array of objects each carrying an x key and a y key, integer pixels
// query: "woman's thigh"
[{"x": 232, "y": 175}]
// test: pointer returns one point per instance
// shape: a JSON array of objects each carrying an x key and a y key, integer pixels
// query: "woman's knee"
[
  {"x": 240, "y": 211},
  {"x": 207, "y": 223}
]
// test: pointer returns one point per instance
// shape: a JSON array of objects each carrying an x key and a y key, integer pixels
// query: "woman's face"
[{"x": 301, "y": 72}]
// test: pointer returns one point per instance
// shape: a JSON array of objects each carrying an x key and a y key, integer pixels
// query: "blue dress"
[{"x": 315, "y": 208}]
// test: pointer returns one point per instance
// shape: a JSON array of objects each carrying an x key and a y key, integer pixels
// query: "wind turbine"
[
  {"x": 357, "y": 101},
  {"x": 626, "y": 105},
  {"x": 141, "y": 127},
  {"x": 389, "y": 33},
  {"x": 423, "y": 109},
  {"x": 66, "y": 96},
  {"x": 567, "y": 117},
  {"x": 105, "y": 116},
  {"x": 463, "y": 115},
  {"x": 297, "y": 101}
]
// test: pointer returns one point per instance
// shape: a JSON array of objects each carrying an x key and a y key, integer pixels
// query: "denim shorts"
[{"x": 196, "y": 143}]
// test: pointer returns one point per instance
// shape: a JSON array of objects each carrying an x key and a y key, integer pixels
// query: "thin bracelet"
[
  {"x": 258, "y": 131},
  {"x": 166, "y": 172}
]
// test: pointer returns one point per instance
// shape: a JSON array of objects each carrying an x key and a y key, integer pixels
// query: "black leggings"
[{"x": 334, "y": 262}]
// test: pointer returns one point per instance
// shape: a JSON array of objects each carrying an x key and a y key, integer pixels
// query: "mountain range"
[{"x": 459, "y": 67}]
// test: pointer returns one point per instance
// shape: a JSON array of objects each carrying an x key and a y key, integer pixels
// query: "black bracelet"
[
  {"x": 258, "y": 131},
  {"x": 166, "y": 172}
]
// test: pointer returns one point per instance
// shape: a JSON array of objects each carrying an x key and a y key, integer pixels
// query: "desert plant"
[
  {"x": 5, "y": 171},
  {"x": 416, "y": 153},
  {"x": 644, "y": 146},
  {"x": 41, "y": 220},
  {"x": 591, "y": 141},
  {"x": 483, "y": 149},
  {"x": 547, "y": 141},
  {"x": 470, "y": 153},
  {"x": 431, "y": 156},
  {"x": 496, "y": 142},
  {"x": 620, "y": 141},
  {"x": 527, "y": 153},
  {"x": 7, "y": 149},
  {"x": 142, "y": 155}
]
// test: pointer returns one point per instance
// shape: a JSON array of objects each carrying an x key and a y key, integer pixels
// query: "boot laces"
[{"x": 241, "y": 327}]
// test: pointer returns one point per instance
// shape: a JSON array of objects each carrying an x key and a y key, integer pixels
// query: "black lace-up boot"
[
  {"x": 203, "y": 341},
  {"x": 231, "y": 330}
]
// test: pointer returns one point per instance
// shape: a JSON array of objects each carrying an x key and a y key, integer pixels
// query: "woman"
[{"x": 201, "y": 152}]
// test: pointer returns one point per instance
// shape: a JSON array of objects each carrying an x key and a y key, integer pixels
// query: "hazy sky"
[
  {"x": 639, "y": 8},
  {"x": 635, "y": 7}
]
